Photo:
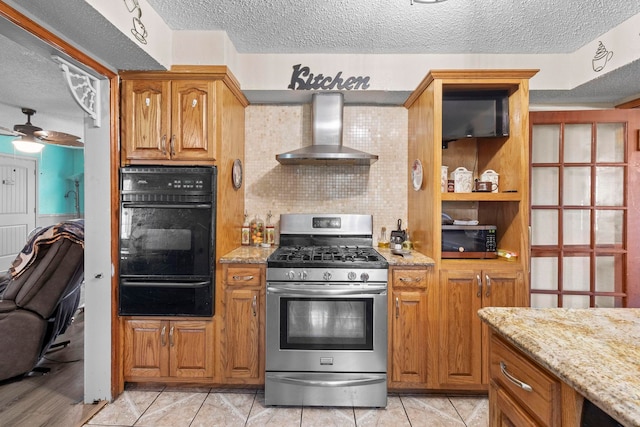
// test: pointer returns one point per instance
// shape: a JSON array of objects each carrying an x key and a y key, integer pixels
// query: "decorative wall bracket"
[{"x": 84, "y": 87}]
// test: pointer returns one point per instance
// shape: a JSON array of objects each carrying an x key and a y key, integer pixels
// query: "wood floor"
[{"x": 54, "y": 399}]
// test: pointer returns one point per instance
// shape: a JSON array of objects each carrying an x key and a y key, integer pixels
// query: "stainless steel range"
[{"x": 326, "y": 315}]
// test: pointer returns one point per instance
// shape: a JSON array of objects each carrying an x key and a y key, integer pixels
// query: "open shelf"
[{"x": 481, "y": 197}]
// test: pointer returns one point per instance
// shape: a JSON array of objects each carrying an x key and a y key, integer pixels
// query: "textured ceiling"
[
  {"x": 31, "y": 79},
  {"x": 396, "y": 26}
]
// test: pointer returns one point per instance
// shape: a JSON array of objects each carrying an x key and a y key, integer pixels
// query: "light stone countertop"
[
  {"x": 259, "y": 255},
  {"x": 410, "y": 259},
  {"x": 596, "y": 351},
  {"x": 248, "y": 255}
]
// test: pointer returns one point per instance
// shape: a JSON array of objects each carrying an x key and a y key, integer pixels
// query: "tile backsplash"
[{"x": 379, "y": 189}]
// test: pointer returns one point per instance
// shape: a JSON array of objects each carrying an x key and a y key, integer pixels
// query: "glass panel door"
[{"x": 581, "y": 168}]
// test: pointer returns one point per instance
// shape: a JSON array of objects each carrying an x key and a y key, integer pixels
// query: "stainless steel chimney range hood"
[{"x": 326, "y": 147}]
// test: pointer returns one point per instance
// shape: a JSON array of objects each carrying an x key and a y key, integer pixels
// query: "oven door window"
[
  {"x": 326, "y": 323},
  {"x": 166, "y": 241}
]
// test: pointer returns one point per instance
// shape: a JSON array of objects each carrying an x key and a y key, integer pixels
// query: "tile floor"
[{"x": 202, "y": 407}]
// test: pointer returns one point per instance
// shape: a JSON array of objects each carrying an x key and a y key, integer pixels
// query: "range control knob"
[
  {"x": 352, "y": 275},
  {"x": 364, "y": 277},
  {"x": 303, "y": 275},
  {"x": 326, "y": 275},
  {"x": 291, "y": 275}
]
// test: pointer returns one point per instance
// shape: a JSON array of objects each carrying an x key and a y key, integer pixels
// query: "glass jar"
[
  {"x": 256, "y": 228},
  {"x": 246, "y": 236},
  {"x": 270, "y": 231}
]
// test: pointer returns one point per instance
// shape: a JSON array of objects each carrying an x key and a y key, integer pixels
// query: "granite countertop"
[
  {"x": 248, "y": 255},
  {"x": 259, "y": 255},
  {"x": 596, "y": 351},
  {"x": 412, "y": 258}
]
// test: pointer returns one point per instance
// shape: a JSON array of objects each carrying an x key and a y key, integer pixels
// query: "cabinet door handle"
[
  {"x": 172, "y": 145},
  {"x": 397, "y": 307},
  {"x": 411, "y": 279},
  {"x": 488, "y": 279},
  {"x": 479, "y": 294},
  {"x": 163, "y": 335},
  {"x": 522, "y": 385},
  {"x": 243, "y": 278},
  {"x": 254, "y": 305},
  {"x": 163, "y": 144},
  {"x": 171, "y": 337}
]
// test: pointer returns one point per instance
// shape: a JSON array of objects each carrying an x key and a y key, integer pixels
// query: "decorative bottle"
[
  {"x": 246, "y": 238},
  {"x": 270, "y": 231},
  {"x": 383, "y": 242},
  {"x": 256, "y": 226}
]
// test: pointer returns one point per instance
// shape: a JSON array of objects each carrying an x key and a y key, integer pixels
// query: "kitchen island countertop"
[{"x": 596, "y": 351}]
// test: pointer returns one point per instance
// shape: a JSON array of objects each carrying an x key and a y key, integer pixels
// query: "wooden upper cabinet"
[
  {"x": 190, "y": 115},
  {"x": 193, "y": 115},
  {"x": 146, "y": 110}
]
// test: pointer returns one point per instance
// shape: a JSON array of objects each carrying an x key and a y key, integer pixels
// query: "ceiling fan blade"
[
  {"x": 7, "y": 131},
  {"x": 59, "y": 138}
]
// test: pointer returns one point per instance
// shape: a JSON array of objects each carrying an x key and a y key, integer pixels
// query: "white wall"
[{"x": 98, "y": 264}]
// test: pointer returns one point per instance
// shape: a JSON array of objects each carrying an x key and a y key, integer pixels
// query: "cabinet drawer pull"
[
  {"x": 171, "y": 343},
  {"x": 522, "y": 385},
  {"x": 479, "y": 294},
  {"x": 254, "y": 305},
  {"x": 163, "y": 334},
  {"x": 243, "y": 278},
  {"x": 488, "y": 279},
  {"x": 411, "y": 279}
]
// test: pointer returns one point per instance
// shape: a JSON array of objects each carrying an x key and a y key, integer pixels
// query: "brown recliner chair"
[{"x": 41, "y": 297}]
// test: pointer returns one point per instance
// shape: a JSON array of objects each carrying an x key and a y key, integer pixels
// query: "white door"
[{"x": 17, "y": 205}]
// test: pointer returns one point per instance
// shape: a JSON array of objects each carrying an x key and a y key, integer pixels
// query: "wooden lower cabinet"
[
  {"x": 463, "y": 348},
  {"x": 242, "y": 344},
  {"x": 411, "y": 331},
  {"x": 168, "y": 349},
  {"x": 522, "y": 393}
]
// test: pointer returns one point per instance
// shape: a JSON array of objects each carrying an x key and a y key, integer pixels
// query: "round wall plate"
[
  {"x": 236, "y": 174},
  {"x": 416, "y": 175}
]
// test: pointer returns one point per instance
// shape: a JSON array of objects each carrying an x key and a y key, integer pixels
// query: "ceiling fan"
[{"x": 33, "y": 137}]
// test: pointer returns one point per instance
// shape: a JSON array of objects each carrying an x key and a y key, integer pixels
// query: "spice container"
[
  {"x": 270, "y": 231},
  {"x": 246, "y": 237},
  {"x": 257, "y": 231}
]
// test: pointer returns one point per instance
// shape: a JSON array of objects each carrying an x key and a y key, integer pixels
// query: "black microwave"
[
  {"x": 469, "y": 241},
  {"x": 474, "y": 114}
]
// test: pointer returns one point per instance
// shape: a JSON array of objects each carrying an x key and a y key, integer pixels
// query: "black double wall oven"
[{"x": 167, "y": 241}]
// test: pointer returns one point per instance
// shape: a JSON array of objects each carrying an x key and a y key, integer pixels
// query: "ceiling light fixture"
[
  {"x": 27, "y": 144},
  {"x": 426, "y": 1}
]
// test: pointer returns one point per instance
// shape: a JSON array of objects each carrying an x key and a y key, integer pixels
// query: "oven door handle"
[
  {"x": 141, "y": 284},
  {"x": 301, "y": 290},
  {"x": 166, "y": 206},
  {"x": 332, "y": 383}
]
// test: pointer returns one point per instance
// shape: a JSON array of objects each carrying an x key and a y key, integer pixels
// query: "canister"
[
  {"x": 491, "y": 176},
  {"x": 444, "y": 177},
  {"x": 462, "y": 180}
]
